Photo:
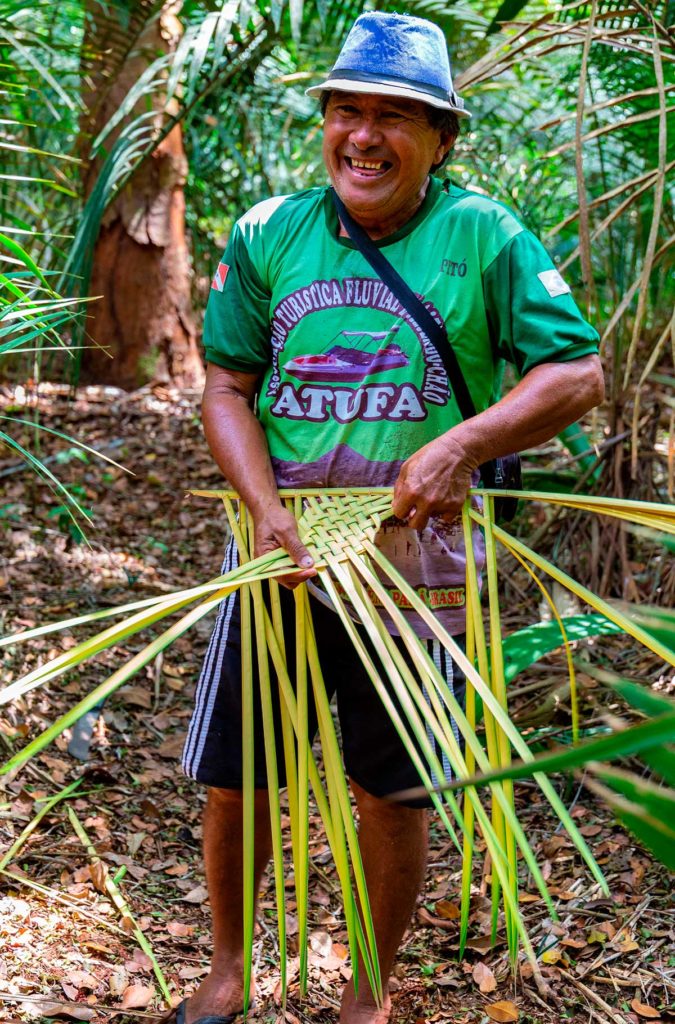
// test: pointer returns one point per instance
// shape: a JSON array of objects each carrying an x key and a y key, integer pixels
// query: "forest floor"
[{"x": 68, "y": 953}]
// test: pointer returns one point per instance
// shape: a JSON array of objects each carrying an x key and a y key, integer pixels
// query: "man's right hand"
[
  {"x": 238, "y": 445},
  {"x": 277, "y": 528}
]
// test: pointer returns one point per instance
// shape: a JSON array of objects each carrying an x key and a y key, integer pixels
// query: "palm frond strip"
[{"x": 339, "y": 529}]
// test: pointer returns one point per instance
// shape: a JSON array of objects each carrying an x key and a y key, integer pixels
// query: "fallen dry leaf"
[
  {"x": 97, "y": 947},
  {"x": 484, "y": 978},
  {"x": 590, "y": 830},
  {"x": 425, "y": 917},
  {"x": 483, "y": 943},
  {"x": 81, "y": 979},
  {"x": 562, "y": 894},
  {"x": 449, "y": 911},
  {"x": 140, "y": 957},
  {"x": 73, "y": 1011},
  {"x": 188, "y": 973},
  {"x": 99, "y": 873},
  {"x": 137, "y": 996},
  {"x": 291, "y": 924},
  {"x": 643, "y": 1010},
  {"x": 503, "y": 1011},
  {"x": 551, "y": 846},
  {"x": 325, "y": 963},
  {"x": 137, "y": 696},
  {"x": 173, "y": 747},
  {"x": 150, "y": 809},
  {"x": 178, "y": 870},
  {"x": 134, "y": 842},
  {"x": 321, "y": 942},
  {"x": 199, "y": 894},
  {"x": 118, "y": 981},
  {"x": 179, "y": 930}
]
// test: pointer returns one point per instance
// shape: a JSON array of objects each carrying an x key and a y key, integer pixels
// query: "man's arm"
[
  {"x": 435, "y": 480},
  {"x": 237, "y": 442}
]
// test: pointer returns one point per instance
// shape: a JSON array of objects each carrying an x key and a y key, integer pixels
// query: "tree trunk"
[{"x": 141, "y": 271}]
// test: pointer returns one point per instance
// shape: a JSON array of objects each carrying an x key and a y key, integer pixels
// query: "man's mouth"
[{"x": 367, "y": 168}]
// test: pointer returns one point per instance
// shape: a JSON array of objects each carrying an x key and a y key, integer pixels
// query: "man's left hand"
[{"x": 433, "y": 481}]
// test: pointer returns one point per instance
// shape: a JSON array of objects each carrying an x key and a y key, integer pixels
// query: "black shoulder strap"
[{"x": 435, "y": 332}]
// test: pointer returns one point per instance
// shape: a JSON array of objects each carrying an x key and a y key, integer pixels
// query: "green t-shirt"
[{"x": 350, "y": 386}]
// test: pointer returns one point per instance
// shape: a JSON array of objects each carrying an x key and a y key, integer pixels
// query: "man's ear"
[{"x": 448, "y": 141}]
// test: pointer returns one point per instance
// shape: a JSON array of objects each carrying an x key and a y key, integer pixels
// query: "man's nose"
[{"x": 366, "y": 133}]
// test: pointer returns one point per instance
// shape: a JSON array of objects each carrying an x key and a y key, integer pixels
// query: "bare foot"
[
  {"x": 363, "y": 1009},
  {"x": 218, "y": 994}
]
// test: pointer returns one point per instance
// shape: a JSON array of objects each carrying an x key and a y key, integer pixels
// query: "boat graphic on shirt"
[{"x": 351, "y": 361}]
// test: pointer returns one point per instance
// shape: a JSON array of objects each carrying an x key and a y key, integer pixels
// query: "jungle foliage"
[{"x": 572, "y": 108}]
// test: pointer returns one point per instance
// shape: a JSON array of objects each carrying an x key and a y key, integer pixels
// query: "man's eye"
[{"x": 346, "y": 111}]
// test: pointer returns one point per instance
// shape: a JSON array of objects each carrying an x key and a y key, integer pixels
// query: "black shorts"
[{"x": 373, "y": 753}]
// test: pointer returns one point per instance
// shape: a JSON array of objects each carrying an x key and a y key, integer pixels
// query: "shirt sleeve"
[
  {"x": 532, "y": 317},
  {"x": 236, "y": 324}
]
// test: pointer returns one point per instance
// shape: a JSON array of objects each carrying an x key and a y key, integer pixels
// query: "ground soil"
[{"x": 68, "y": 952}]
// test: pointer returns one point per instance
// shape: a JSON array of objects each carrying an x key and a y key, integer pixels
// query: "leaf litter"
[{"x": 67, "y": 951}]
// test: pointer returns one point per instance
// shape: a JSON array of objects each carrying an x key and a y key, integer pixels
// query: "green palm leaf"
[{"x": 339, "y": 528}]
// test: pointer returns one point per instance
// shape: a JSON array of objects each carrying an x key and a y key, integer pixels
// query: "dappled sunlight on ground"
[{"x": 68, "y": 950}]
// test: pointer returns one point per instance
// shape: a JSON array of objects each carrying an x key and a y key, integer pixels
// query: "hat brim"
[{"x": 384, "y": 89}]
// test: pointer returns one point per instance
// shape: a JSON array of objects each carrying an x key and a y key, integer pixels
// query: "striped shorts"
[{"x": 374, "y": 755}]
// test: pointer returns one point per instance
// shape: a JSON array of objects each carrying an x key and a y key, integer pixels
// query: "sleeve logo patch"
[
  {"x": 552, "y": 282},
  {"x": 218, "y": 282}
]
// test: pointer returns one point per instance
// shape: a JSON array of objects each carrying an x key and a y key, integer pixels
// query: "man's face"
[{"x": 378, "y": 151}]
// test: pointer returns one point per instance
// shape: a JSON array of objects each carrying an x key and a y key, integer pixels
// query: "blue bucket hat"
[{"x": 395, "y": 55}]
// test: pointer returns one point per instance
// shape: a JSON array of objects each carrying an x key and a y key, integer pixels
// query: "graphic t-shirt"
[{"x": 350, "y": 385}]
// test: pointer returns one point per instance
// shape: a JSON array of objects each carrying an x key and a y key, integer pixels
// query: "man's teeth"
[{"x": 368, "y": 165}]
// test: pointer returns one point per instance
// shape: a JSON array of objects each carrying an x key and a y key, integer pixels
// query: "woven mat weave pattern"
[{"x": 333, "y": 523}]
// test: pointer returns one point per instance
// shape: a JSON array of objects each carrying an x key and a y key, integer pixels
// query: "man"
[{"x": 348, "y": 392}]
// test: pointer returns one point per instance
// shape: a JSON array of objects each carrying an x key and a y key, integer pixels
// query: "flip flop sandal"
[{"x": 179, "y": 1016}]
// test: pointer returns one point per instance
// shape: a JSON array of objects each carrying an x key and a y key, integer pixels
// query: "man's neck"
[{"x": 378, "y": 229}]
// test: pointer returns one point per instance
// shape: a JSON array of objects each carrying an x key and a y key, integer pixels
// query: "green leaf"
[
  {"x": 659, "y": 622},
  {"x": 643, "y": 698},
  {"x": 555, "y": 481},
  {"x": 647, "y": 810},
  {"x": 633, "y": 740},
  {"x": 526, "y": 646},
  {"x": 662, "y": 762},
  {"x": 656, "y": 800},
  {"x": 20, "y": 253},
  {"x": 507, "y": 11}
]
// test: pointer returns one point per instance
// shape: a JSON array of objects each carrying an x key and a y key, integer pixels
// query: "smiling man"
[{"x": 318, "y": 376}]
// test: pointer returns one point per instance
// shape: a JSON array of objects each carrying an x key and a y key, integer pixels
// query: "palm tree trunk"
[{"x": 141, "y": 271}]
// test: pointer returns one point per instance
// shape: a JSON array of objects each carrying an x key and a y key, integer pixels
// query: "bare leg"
[
  {"x": 393, "y": 842},
  {"x": 222, "y": 991}
]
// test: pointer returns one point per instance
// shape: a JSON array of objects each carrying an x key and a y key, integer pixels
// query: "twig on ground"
[
  {"x": 121, "y": 904},
  {"x": 617, "y": 1018},
  {"x": 33, "y": 824},
  {"x": 15, "y": 997},
  {"x": 628, "y": 982},
  {"x": 531, "y": 994},
  {"x": 53, "y": 894}
]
